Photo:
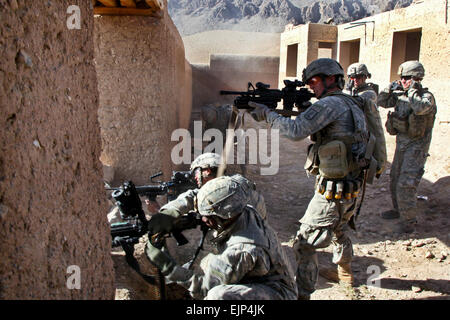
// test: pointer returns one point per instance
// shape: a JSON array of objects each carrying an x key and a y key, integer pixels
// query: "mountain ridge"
[{"x": 193, "y": 16}]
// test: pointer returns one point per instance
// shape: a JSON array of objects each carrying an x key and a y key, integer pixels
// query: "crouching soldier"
[{"x": 250, "y": 264}]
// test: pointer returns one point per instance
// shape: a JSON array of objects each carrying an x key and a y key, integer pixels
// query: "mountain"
[{"x": 193, "y": 16}]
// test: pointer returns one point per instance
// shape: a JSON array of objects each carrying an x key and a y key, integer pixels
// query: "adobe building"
[
  {"x": 383, "y": 42},
  {"x": 229, "y": 60},
  {"x": 145, "y": 87},
  {"x": 55, "y": 241},
  {"x": 118, "y": 82}
]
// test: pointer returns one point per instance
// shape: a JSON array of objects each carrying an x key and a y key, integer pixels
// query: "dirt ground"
[{"x": 386, "y": 266}]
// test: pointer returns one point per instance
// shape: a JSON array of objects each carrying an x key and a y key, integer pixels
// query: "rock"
[
  {"x": 443, "y": 256},
  {"x": 429, "y": 255},
  {"x": 416, "y": 289},
  {"x": 3, "y": 211},
  {"x": 407, "y": 243},
  {"x": 23, "y": 58},
  {"x": 419, "y": 243},
  {"x": 404, "y": 275},
  {"x": 388, "y": 242}
]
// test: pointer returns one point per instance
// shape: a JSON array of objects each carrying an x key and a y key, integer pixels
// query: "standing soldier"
[
  {"x": 357, "y": 86},
  {"x": 250, "y": 264},
  {"x": 337, "y": 127},
  {"x": 412, "y": 122}
]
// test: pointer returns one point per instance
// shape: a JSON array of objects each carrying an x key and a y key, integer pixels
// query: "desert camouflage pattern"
[
  {"x": 410, "y": 153},
  {"x": 411, "y": 68},
  {"x": 324, "y": 221},
  {"x": 206, "y": 160},
  {"x": 356, "y": 69},
  {"x": 250, "y": 265},
  {"x": 186, "y": 201},
  {"x": 374, "y": 123}
]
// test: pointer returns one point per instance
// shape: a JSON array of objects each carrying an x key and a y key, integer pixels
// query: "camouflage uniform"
[
  {"x": 369, "y": 92},
  {"x": 334, "y": 117},
  {"x": 185, "y": 202},
  {"x": 251, "y": 264},
  {"x": 412, "y": 147}
]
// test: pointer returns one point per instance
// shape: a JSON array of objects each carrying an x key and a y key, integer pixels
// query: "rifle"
[
  {"x": 270, "y": 97},
  {"x": 127, "y": 233},
  {"x": 130, "y": 206}
]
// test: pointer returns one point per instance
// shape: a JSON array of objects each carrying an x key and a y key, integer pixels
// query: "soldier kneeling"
[{"x": 250, "y": 264}]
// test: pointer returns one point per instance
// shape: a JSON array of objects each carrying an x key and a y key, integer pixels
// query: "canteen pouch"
[
  {"x": 333, "y": 162},
  {"x": 390, "y": 124}
]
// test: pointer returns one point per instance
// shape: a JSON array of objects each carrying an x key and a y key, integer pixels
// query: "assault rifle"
[
  {"x": 130, "y": 206},
  {"x": 127, "y": 233},
  {"x": 270, "y": 97}
]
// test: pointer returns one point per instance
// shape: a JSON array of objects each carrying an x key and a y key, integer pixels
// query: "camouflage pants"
[
  {"x": 406, "y": 172},
  {"x": 254, "y": 291},
  {"x": 324, "y": 223}
]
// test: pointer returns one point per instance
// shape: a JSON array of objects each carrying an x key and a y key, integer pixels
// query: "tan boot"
[
  {"x": 329, "y": 273},
  {"x": 345, "y": 273}
]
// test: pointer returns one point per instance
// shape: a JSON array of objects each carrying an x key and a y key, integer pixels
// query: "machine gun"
[{"x": 270, "y": 97}]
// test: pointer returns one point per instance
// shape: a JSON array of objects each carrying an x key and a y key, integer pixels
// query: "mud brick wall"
[
  {"x": 52, "y": 212},
  {"x": 145, "y": 93}
]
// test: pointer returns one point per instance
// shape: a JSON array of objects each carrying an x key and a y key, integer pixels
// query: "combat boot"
[
  {"x": 390, "y": 214},
  {"x": 329, "y": 273},
  {"x": 345, "y": 273}
]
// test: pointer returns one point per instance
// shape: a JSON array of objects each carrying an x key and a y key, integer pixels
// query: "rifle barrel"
[{"x": 225, "y": 92}]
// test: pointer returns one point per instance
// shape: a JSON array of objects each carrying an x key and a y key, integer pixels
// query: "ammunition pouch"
[
  {"x": 395, "y": 124},
  {"x": 333, "y": 163},
  {"x": 338, "y": 189},
  {"x": 312, "y": 160},
  {"x": 418, "y": 125}
]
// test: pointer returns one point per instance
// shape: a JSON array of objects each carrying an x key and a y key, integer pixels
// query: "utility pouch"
[
  {"x": 417, "y": 125},
  {"x": 400, "y": 124},
  {"x": 390, "y": 125},
  {"x": 333, "y": 162},
  {"x": 312, "y": 160}
]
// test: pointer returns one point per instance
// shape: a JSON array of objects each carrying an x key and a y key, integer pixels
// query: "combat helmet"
[
  {"x": 222, "y": 197},
  {"x": 206, "y": 160},
  {"x": 358, "y": 69},
  {"x": 411, "y": 68},
  {"x": 322, "y": 66}
]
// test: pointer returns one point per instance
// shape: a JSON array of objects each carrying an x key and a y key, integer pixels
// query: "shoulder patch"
[{"x": 312, "y": 111}]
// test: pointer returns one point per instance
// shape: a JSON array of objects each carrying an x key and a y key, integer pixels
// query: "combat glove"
[
  {"x": 160, "y": 223},
  {"x": 260, "y": 111},
  {"x": 159, "y": 259},
  {"x": 395, "y": 86}
]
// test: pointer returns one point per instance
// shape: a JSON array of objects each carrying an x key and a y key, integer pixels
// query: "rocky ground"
[{"x": 386, "y": 266}]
